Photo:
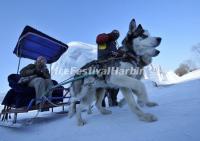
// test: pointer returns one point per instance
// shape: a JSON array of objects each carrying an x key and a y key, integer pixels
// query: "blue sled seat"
[{"x": 20, "y": 95}]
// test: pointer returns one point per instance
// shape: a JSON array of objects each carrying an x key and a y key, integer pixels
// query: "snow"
[
  {"x": 190, "y": 76},
  {"x": 155, "y": 73},
  {"x": 178, "y": 110},
  {"x": 174, "y": 79},
  {"x": 76, "y": 56}
]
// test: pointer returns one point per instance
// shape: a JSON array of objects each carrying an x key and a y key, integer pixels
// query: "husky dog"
[{"x": 138, "y": 47}]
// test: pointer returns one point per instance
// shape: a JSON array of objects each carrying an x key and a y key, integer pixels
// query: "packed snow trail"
[{"x": 178, "y": 114}]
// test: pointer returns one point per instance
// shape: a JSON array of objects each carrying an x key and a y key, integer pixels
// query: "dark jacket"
[
  {"x": 106, "y": 45},
  {"x": 31, "y": 70}
]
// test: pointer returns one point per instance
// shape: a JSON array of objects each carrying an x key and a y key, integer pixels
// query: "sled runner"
[{"x": 21, "y": 99}]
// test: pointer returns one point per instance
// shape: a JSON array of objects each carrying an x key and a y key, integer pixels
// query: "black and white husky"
[{"x": 142, "y": 47}]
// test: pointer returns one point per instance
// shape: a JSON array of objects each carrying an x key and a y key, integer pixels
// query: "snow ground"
[{"x": 178, "y": 114}]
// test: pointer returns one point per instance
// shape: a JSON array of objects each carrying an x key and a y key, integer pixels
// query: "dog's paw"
[
  {"x": 151, "y": 104},
  {"x": 141, "y": 103},
  {"x": 106, "y": 112},
  {"x": 148, "y": 117},
  {"x": 81, "y": 122}
]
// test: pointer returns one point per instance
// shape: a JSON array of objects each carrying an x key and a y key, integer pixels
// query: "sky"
[{"x": 176, "y": 21}]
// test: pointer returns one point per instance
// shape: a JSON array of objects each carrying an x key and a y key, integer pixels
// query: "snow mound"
[
  {"x": 173, "y": 78},
  {"x": 190, "y": 76},
  {"x": 76, "y": 56}
]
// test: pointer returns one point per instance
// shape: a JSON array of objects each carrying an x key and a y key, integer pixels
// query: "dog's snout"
[{"x": 158, "y": 39}]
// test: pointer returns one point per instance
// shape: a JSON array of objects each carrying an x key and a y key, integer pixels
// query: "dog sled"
[{"x": 21, "y": 99}]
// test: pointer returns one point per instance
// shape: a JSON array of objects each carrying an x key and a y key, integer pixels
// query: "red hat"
[{"x": 114, "y": 34}]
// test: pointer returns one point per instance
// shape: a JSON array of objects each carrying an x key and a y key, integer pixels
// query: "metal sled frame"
[
  {"x": 28, "y": 46},
  {"x": 45, "y": 104}
]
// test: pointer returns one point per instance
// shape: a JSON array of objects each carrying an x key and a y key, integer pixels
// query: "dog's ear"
[
  {"x": 139, "y": 30},
  {"x": 129, "y": 37},
  {"x": 140, "y": 27},
  {"x": 132, "y": 26}
]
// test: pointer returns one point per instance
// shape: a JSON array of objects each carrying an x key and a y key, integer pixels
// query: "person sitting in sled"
[
  {"x": 37, "y": 76},
  {"x": 107, "y": 48}
]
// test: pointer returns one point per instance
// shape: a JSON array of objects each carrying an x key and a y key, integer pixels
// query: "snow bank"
[
  {"x": 173, "y": 78},
  {"x": 76, "y": 56},
  {"x": 190, "y": 76}
]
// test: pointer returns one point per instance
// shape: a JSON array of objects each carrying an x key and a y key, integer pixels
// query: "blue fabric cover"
[{"x": 33, "y": 43}]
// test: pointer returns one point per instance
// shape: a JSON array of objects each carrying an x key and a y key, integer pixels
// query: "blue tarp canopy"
[{"x": 33, "y": 43}]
